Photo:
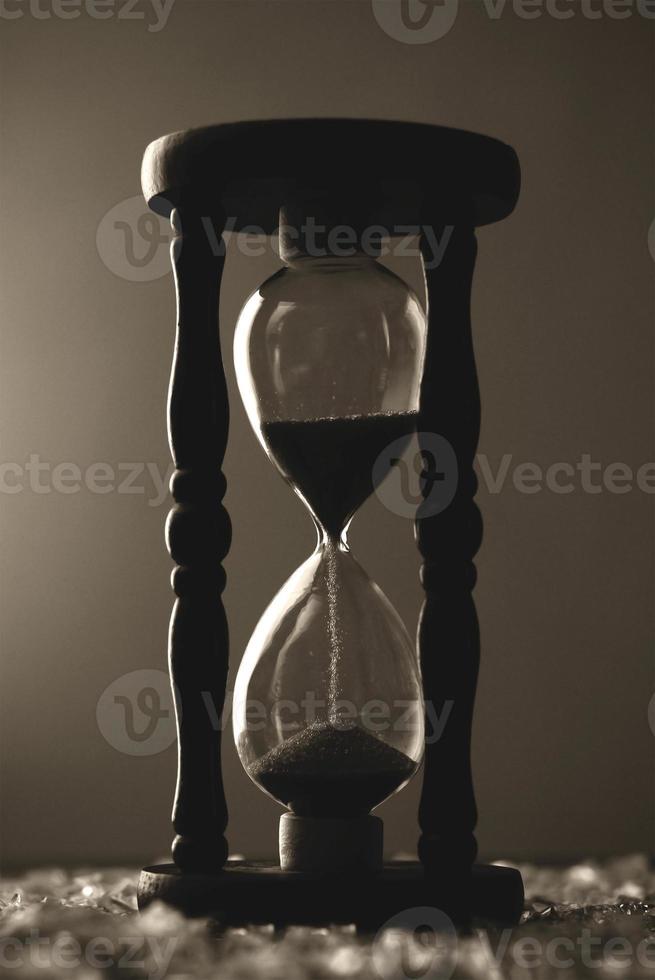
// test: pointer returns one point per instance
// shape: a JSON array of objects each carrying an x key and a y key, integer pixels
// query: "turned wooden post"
[
  {"x": 448, "y": 636},
  {"x": 198, "y": 536}
]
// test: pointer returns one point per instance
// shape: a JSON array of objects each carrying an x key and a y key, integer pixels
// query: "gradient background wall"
[{"x": 563, "y": 313}]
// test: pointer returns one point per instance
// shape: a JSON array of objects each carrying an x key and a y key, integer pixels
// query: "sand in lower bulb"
[{"x": 326, "y": 771}]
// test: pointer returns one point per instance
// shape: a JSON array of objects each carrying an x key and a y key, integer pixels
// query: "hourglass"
[
  {"x": 337, "y": 363},
  {"x": 329, "y": 357}
]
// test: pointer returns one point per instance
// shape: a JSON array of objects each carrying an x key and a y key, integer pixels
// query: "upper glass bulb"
[{"x": 328, "y": 709}]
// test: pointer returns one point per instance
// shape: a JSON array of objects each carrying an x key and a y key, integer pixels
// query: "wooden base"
[{"x": 259, "y": 892}]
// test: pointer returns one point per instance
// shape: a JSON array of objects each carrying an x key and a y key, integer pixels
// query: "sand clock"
[
  {"x": 329, "y": 357},
  {"x": 336, "y": 360}
]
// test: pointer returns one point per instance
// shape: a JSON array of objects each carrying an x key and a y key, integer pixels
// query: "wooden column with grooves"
[
  {"x": 198, "y": 534},
  {"x": 448, "y": 637}
]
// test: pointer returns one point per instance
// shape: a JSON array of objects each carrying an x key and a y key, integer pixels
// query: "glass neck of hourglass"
[{"x": 331, "y": 539}]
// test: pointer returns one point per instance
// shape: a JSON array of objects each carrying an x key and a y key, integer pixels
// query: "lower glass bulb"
[{"x": 328, "y": 710}]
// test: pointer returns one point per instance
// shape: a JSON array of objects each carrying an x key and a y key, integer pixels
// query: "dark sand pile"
[{"x": 326, "y": 771}]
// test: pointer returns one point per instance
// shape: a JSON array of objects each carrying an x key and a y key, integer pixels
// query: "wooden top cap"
[{"x": 388, "y": 173}]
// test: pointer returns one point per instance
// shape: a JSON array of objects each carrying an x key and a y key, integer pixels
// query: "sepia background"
[{"x": 563, "y": 308}]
